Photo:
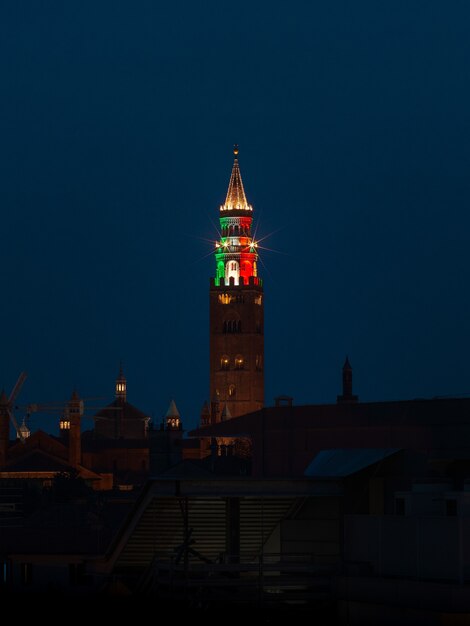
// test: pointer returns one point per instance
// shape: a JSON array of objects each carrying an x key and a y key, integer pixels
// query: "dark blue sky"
[{"x": 116, "y": 126}]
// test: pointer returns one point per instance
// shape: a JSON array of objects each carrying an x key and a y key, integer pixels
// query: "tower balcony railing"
[{"x": 242, "y": 282}]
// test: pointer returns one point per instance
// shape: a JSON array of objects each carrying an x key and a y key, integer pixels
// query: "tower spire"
[
  {"x": 347, "y": 395},
  {"x": 236, "y": 198},
  {"x": 236, "y": 253}
]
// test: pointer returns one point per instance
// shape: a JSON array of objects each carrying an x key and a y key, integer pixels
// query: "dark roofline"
[{"x": 247, "y": 423}]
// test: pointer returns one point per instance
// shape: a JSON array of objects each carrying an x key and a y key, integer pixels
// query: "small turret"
[
  {"x": 225, "y": 415},
  {"x": 23, "y": 431},
  {"x": 205, "y": 415},
  {"x": 121, "y": 386},
  {"x": 173, "y": 418},
  {"x": 347, "y": 395},
  {"x": 74, "y": 413}
]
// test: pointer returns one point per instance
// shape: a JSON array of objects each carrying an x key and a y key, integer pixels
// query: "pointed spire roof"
[
  {"x": 236, "y": 198},
  {"x": 121, "y": 373},
  {"x": 205, "y": 409},
  {"x": 24, "y": 430},
  {"x": 347, "y": 364},
  {"x": 225, "y": 415},
  {"x": 3, "y": 398},
  {"x": 74, "y": 397},
  {"x": 172, "y": 410}
]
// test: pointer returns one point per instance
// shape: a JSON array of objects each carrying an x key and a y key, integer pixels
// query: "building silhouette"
[
  {"x": 116, "y": 453},
  {"x": 356, "y": 511}
]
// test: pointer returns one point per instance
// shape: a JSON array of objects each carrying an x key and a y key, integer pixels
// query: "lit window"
[
  {"x": 64, "y": 425},
  {"x": 238, "y": 362},
  {"x": 224, "y": 298},
  {"x": 224, "y": 362},
  {"x": 259, "y": 299},
  {"x": 231, "y": 391},
  {"x": 259, "y": 362}
]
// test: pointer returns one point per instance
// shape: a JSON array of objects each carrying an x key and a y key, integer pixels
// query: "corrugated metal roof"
[{"x": 340, "y": 462}]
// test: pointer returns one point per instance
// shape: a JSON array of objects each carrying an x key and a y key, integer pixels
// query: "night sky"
[{"x": 117, "y": 121}]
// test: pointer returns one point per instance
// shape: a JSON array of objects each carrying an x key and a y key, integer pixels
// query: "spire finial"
[{"x": 235, "y": 149}]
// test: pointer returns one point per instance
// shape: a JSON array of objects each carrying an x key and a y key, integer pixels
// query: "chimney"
[{"x": 75, "y": 410}]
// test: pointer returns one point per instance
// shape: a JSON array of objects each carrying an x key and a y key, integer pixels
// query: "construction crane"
[
  {"x": 11, "y": 403},
  {"x": 50, "y": 407},
  {"x": 65, "y": 408}
]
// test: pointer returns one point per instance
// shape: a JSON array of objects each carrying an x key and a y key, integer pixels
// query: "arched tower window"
[
  {"x": 231, "y": 391},
  {"x": 246, "y": 269},
  {"x": 239, "y": 363},
  {"x": 224, "y": 362},
  {"x": 232, "y": 270}
]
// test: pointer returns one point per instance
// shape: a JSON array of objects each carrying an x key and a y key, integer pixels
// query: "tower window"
[
  {"x": 225, "y": 298},
  {"x": 259, "y": 362},
  {"x": 224, "y": 362},
  {"x": 232, "y": 270},
  {"x": 239, "y": 362},
  {"x": 259, "y": 299},
  {"x": 231, "y": 391},
  {"x": 232, "y": 326},
  {"x": 64, "y": 425}
]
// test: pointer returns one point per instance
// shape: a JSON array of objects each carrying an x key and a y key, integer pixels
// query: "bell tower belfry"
[{"x": 236, "y": 307}]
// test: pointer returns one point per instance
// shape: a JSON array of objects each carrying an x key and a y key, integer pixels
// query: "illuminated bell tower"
[{"x": 236, "y": 308}]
